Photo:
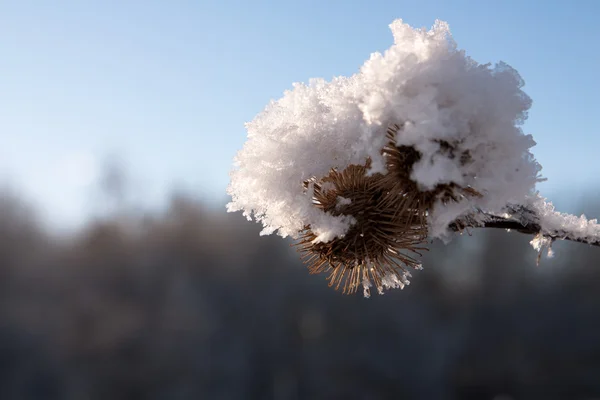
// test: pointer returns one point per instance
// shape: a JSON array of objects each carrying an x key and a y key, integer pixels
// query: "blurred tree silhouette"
[{"x": 189, "y": 303}]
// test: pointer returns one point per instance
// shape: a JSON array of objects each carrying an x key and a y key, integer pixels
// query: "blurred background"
[{"x": 122, "y": 276}]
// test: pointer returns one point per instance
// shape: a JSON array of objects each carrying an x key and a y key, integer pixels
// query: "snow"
[
  {"x": 422, "y": 81},
  {"x": 464, "y": 119},
  {"x": 342, "y": 201},
  {"x": 559, "y": 225},
  {"x": 539, "y": 242},
  {"x": 388, "y": 281}
]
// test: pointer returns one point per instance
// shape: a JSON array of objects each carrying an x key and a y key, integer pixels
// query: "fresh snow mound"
[{"x": 422, "y": 82}]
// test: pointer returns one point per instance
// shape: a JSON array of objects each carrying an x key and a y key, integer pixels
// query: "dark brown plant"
[
  {"x": 388, "y": 234},
  {"x": 400, "y": 161},
  {"x": 390, "y": 214},
  {"x": 390, "y": 218}
]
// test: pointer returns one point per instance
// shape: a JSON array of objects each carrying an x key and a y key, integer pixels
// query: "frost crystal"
[
  {"x": 391, "y": 281},
  {"x": 539, "y": 242},
  {"x": 559, "y": 225}
]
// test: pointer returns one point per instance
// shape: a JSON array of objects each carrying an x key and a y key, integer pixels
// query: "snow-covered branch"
[
  {"x": 550, "y": 225},
  {"x": 363, "y": 170}
]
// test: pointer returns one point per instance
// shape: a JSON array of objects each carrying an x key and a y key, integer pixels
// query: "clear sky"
[{"x": 168, "y": 85}]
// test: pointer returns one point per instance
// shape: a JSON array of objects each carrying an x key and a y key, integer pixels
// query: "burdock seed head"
[
  {"x": 466, "y": 132},
  {"x": 400, "y": 161},
  {"x": 388, "y": 232},
  {"x": 390, "y": 214}
]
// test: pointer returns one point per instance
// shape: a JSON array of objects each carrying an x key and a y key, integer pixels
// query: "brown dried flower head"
[
  {"x": 400, "y": 161},
  {"x": 390, "y": 228}
]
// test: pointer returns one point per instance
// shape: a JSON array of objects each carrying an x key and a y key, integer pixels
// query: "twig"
[{"x": 529, "y": 228}]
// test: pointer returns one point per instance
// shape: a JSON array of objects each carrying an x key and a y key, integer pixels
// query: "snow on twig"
[{"x": 422, "y": 141}]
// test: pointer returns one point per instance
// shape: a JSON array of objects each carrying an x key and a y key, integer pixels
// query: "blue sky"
[{"x": 168, "y": 85}]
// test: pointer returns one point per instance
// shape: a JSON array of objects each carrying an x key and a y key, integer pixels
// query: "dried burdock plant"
[
  {"x": 388, "y": 232},
  {"x": 399, "y": 162},
  {"x": 422, "y": 142},
  {"x": 390, "y": 221}
]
